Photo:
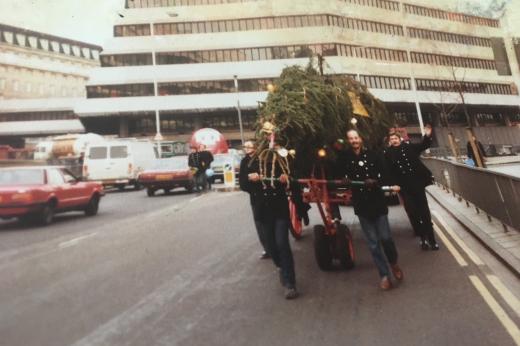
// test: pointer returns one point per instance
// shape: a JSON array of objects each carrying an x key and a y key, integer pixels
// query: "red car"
[
  {"x": 37, "y": 193},
  {"x": 168, "y": 174}
]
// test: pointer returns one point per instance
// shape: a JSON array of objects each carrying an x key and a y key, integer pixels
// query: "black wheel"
[
  {"x": 322, "y": 249},
  {"x": 46, "y": 215},
  {"x": 190, "y": 187},
  {"x": 137, "y": 187},
  {"x": 92, "y": 206},
  {"x": 167, "y": 191},
  {"x": 344, "y": 247},
  {"x": 121, "y": 187},
  {"x": 150, "y": 192}
]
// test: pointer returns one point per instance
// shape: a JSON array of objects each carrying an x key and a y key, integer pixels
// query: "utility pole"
[{"x": 239, "y": 110}]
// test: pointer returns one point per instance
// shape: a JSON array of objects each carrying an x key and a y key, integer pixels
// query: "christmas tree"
[{"x": 306, "y": 112}]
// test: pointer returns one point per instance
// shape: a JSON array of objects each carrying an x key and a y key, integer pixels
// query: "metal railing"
[{"x": 496, "y": 194}]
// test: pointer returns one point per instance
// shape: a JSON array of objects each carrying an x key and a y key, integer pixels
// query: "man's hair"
[
  {"x": 353, "y": 130},
  {"x": 394, "y": 133}
]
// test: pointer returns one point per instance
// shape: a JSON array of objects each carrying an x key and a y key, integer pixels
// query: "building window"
[{"x": 124, "y": 90}]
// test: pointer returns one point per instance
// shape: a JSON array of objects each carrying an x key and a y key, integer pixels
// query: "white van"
[
  {"x": 118, "y": 162},
  {"x": 43, "y": 150}
]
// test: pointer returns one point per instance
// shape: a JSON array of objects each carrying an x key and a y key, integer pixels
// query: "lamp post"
[
  {"x": 239, "y": 110},
  {"x": 158, "y": 136}
]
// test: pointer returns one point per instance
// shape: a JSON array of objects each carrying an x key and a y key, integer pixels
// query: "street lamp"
[
  {"x": 239, "y": 111},
  {"x": 158, "y": 136}
]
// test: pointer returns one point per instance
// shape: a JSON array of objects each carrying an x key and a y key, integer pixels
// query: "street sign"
[{"x": 229, "y": 174}]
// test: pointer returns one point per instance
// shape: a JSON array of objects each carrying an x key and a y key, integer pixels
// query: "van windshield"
[
  {"x": 98, "y": 153},
  {"x": 118, "y": 152}
]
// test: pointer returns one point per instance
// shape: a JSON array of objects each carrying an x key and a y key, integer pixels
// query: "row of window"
[
  {"x": 253, "y": 85},
  {"x": 212, "y": 87},
  {"x": 122, "y": 90},
  {"x": 170, "y": 3},
  {"x": 385, "y": 82},
  {"x": 35, "y": 116},
  {"x": 29, "y": 88},
  {"x": 138, "y": 59},
  {"x": 467, "y": 87},
  {"x": 448, "y": 37},
  {"x": 253, "y": 54},
  {"x": 385, "y": 4},
  {"x": 132, "y": 30},
  {"x": 35, "y": 40},
  {"x": 458, "y": 17},
  {"x": 174, "y": 123},
  {"x": 450, "y": 60},
  {"x": 288, "y": 52},
  {"x": 264, "y": 23}
]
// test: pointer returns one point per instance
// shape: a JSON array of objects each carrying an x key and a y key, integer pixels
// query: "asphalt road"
[{"x": 184, "y": 270}]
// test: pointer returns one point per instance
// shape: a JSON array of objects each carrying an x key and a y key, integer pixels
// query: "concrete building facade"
[
  {"x": 41, "y": 78},
  {"x": 171, "y": 65}
]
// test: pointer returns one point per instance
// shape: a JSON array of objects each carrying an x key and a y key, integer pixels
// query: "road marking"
[
  {"x": 455, "y": 253},
  {"x": 75, "y": 241},
  {"x": 459, "y": 241},
  {"x": 506, "y": 294},
  {"x": 506, "y": 321},
  {"x": 195, "y": 198}
]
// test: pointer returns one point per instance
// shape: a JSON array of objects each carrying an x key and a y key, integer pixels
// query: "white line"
[
  {"x": 506, "y": 294},
  {"x": 455, "y": 253},
  {"x": 75, "y": 241},
  {"x": 506, "y": 321},
  {"x": 195, "y": 198},
  {"x": 459, "y": 241}
]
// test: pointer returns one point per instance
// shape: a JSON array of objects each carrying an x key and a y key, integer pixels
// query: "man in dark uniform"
[
  {"x": 412, "y": 175},
  {"x": 271, "y": 210},
  {"x": 370, "y": 205},
  {"x": 200, "y": 159},
  {"x": 245, "y": 169}
]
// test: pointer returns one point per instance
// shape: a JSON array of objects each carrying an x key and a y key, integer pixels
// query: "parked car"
[
  {"x": 118, "y": 162},
  {"x": 168, "y": 174},
  {"x": 37, "y": 193},
  {"x": 219, "y": 160}
]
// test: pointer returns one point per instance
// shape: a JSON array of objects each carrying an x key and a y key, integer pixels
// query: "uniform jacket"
[
  {"x": 266, "y": 200},
  {"x": 200, "y": 160},
  {"x": 369, "y": 203},
  {"x": 406, "y": 166}
]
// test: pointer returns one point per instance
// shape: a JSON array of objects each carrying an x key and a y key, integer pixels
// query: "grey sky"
[{"x": 92, "y": 20}]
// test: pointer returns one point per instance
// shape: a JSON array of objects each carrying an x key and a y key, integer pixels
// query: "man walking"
[
  {"x": 370, "y": 206},
  {"x": 245, "y": 170},
  {"x": 200, "y": 159},
  {"x": 413, "y": 176}
]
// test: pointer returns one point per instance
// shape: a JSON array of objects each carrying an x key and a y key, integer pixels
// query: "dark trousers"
[
  {"x": 277, "y": 241},
  {"x": 377, "y": 234},
  {"x": 416, "y": 205},
  {"x": 260, "y": 231}
]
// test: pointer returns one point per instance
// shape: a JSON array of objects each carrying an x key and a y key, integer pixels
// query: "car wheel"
[
  {"x": 150, "y": 192},
  {"x": 138, "y": 187},
  {"x": 190, "y": 187},
  {"x": 167, "y": 191},
  {"x": 121, "y": 187},
  {"x": 92, "y": 206},
  {"x": 46, "y": 215}
]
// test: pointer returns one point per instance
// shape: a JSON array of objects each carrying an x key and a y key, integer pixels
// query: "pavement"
[
  {"x": 502, "y": 241},
  {"x": 184, "y": 270}
]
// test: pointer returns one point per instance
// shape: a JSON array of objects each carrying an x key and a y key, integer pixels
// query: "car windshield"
[
  {"x": 177, "y": 162},
  {"x": 21, "y": 177}
]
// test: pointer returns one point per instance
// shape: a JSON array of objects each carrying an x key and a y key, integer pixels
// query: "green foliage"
[{"x": 310, "y": 112}]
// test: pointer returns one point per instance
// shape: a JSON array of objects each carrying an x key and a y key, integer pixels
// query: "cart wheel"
[
  {"x": 345, "y": 247},
  {"x": 295, "y": 227},
  {"x": 322, "y": 249}
]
